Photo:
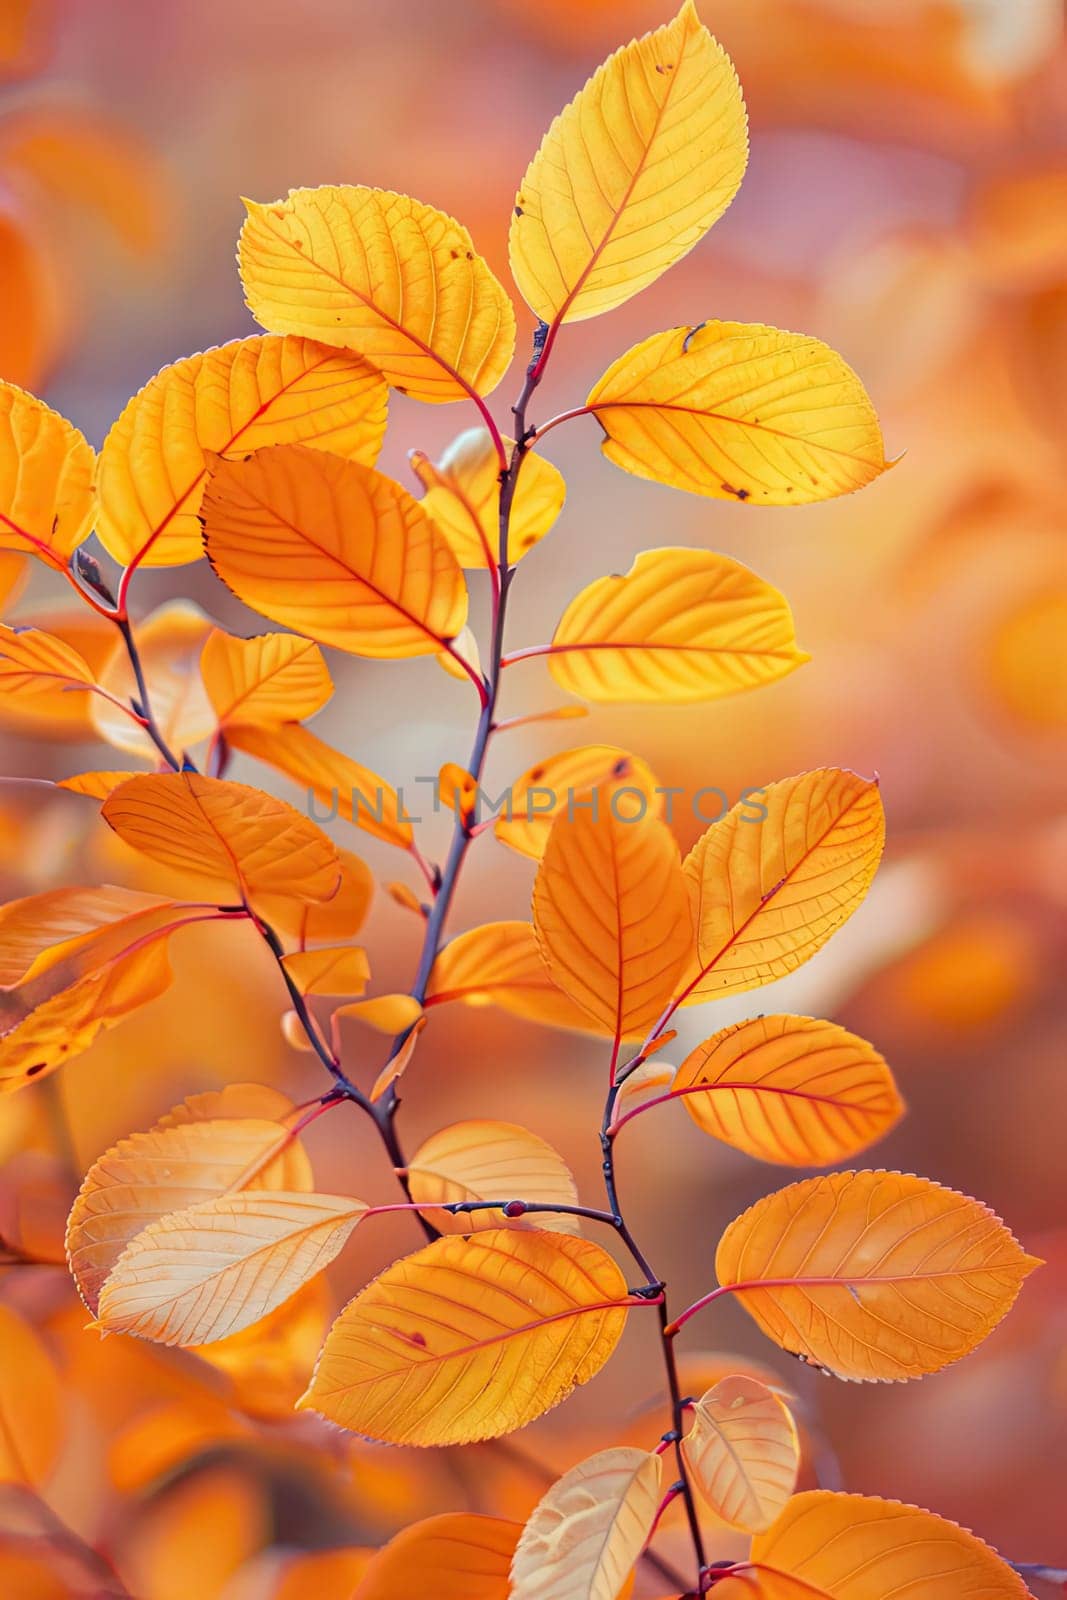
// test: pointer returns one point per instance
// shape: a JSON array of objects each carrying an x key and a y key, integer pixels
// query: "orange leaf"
[
  {"x": 59, "y": 712},
  {"x": 611, "y": 916},
  {"x": 560, "y": 781},
  {"x": 333, "y": 550},
  {"x": 501, "y": 964},
  {"x": 275, "y": 677},
  {"x": 337, "y": 918},
  {"x": 397, "y": 1064},
  {"x": 46, "y": 479},
  {"x": 470, "y": 1338},
  {"x": 33, "y": 663},
  {"x": 873, "y": 1275},
  {"x": 742, "y": 1452},
  {"x": 490, "y": 1161},
  {"x": 338, "y": 969},
  {"x": 388, "y": 1013},
  {"x": 169, "y": 643},
  {"x": 457, "y": 1556},
  {"x": 42, "y": 929},
  {"x": 239, "y": 837}
]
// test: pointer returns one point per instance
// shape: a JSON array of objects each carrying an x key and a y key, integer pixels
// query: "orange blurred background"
[{"x": 906, "y": 201}]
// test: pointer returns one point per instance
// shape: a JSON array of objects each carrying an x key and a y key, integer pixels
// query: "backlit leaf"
[
  {"x": 778, "y": 875},
  {"x": 242, "y": 839},
  {"x": 209, "y": 1144},
  {"x": 388, "y": 1013},
  {"x": 456, "y": 1556},
  {"x": 337, "y": 918},
  {"x": 470, "y": 1338},
  {"x": 611, "y": 915},
  {"x": 739, "y": 411},
  {"x": 586, "y": 1533},
  {"x": 383, "y": 274},
  {"x": 42, "y": 929},
  {"x": 32, "y": 663},
  {"x": 272, "y": 678},
  {"x": 482, "y": 1160},
  {"x": 333, "y": 550},
  {"x": 463, "y": 498},
  {"x": 59, "y": 712},
  {"x": 31, "y": 1403},
  {"x": 66, "y": 1024},
  {"x": 536, "y": 799},
  {"x": 742, "y": 1452},
  {"x": 680, "y": 626},
  {"x": 873, "y": 1275},
  {"x": 829, "y": 1546},
  {"x": 169, "y": 643},
  {"x": 790, "y": 1089},
  {"x": 96, "y": 785},
  {"x": 339, "y": 969},
  {"x": 234, "y": 399},
  {"x": 341, "y": 786},
  {"x": 218, "y": 1266},
  {"x": 500, "y": 963},
  {"x": 46, "y": 479},
  {"x": 631, "y": 174}
]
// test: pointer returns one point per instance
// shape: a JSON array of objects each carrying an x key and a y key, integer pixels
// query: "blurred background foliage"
[{"x": 906, "y": 201}]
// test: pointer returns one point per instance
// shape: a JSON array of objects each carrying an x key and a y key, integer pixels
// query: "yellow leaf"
[
  {"x": 470, "y": 1338},
  {"x": 829, "y": 1546},
  {"x": 490, "y": 1161},
  {"x": 46, "y": 479},
  {"x": 383, "y": 274},
  {"x": 679, "y": 627},
  {"x": 790, "y": 1089},
  {"x": 340, "y": 784},
  {"x": 42, "y": 929},
  {"x": 462, "y": 495},
  {"x": 631, "y": 175},
  {"x": 209, "y": 1144},
  {"x": 501, "y": 964},
  {"x": 66, "y": 1024},
  {"x": 340, "y": 969},
  {"x": 464, "y": 648},
  {"x": 169, "y": 643},
  {"x": 873, "y": 1275},
  {"x": 742, "y": 1452},
  {"x": 643, "y": 1081},
  {"x": 611, "y": 915},
  {"x": 587, "y": 1532},
  {"x": 272, "y": 678},
  {"x": 231, "y": 400},
  {"x": 388, "y": 1013},
  {"x": 457, "y": 791},
  {"x": 538, "y": 797},
  {"x": 333, "y": 550},
  {"x": 768, "y": 889},
  {"x": 31, "y": 1404},
  {"x": 34, "y": 663},
  {"x": 739, "y": 411},
  {"x": 337, "y": 918},
  {"x": 457, "y": 1556},
  {"x": 218, "y": 1266},
  {"x": 240, "y": 838}
]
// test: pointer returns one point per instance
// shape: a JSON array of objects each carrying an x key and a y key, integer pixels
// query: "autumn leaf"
[
  {"x": 470, "y": 1338},
  {"x": 97, "y": 785},
  {"x": 585, "y": 1535},
  {"x": 46, "y": 479},
  {"x": 772, "y": 880},
  {"x": 31, "y": 1404},
  {"x": 388, "y": 1013},
  {"x": 828, "y": 1546},
  {"x": 611, "y": 915},
  {"x": 169, "y": 643},
  {"x": 58, "y": 712},
  {"x": 339, "y": 969},
  {"x": 34, "y": 663},
  {"x": 335, "y": 551},
  {"x": 337, "y": 918},
  {"x": 681, "y": 626},
  {"x": 455, "y": 1556},
  {"x": 205, "y": 1147},
  {"x": 631, "y": 174},
  {"x": 234, "y": 399},
  {"x": 789, "y": 1089},
  {"x": 742, "y": 1452},
  {"x": 873, "y": 1275},
  {"x": 482, "y": 1160},
  {"x": 462, "y": 496},
  {"x": 739, "y": 411},
  {"x": 242, "y": 839},
  {"x": 500, "y": 963},
  {"x": 218, "y": 1266},
  {"x": 535, "y": 800},
  {"x": 383, "y": 274},
  {"x": 65, "y": 1025},
  {"x": 43, "y": 929},
  {"x": 272, "y": 678},
  {"x": 340, "y": 784}
]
